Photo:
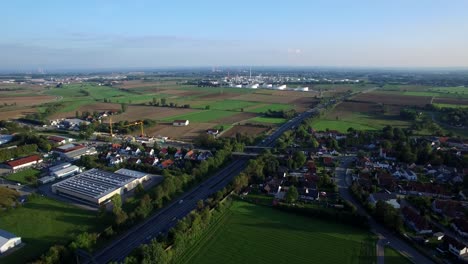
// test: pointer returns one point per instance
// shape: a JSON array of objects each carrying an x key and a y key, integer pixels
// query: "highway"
[{"x": 167, "y": 217}]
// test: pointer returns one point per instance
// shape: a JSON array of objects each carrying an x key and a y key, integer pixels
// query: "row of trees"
[
  {"x": 10, "y": 153},
  {"x": 287, "y": 114}
]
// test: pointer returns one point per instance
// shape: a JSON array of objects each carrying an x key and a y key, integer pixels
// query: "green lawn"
[
  {"x": 358, "y": 121},
  {"x": 231, "y": 105},
  {"x": 250, "y": 233},
  {"x": 273, "y": 107},
  {"x": 339, "y": 125},
  {"x": 451, "y": 105},
  {"x": 394, "y": 257},
  {"x": 21, "y": 176},
  {"x": 202, "y": 116},
  {"x": 270, "y": 120},
  {"x": 42, "y": 223}
]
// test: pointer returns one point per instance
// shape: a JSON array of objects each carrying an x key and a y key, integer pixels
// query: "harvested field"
[
  {"x": 189, "y": 132},
  {"x": 135, "y": 112},
  {"x": 305, "y": 103},
  {"x": 393, "y": 99},
  {"x": 295, "y": 93},
  {"x": 140, "y": 84},
  {"x": 15, "y": 113},
  {"x": 236, "y": 118},
  {"x": 27, "y": 100},
  {"x": 245, "y": 129},
  {"x": 217, "y": 96},
  {"x": 265, "y": 98},
  {"x": 450, "y": 101},
  {"x": 180, "y": 92}
]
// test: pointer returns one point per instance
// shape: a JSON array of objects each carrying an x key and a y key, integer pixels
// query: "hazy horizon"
[{"x": 105, "y": 34}]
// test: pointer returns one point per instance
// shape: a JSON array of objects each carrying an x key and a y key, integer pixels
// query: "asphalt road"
[{"x": 385, "y": 236}]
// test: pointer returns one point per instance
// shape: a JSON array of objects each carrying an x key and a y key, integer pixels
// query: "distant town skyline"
[{"x": 54, "y": 35}]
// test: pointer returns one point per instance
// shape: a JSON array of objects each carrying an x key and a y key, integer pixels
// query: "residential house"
[
  {"x": 114, "y": 160},
  {"x": 385, "y": 180},
  {"x": 328, "y": 161},
  {"x": 163, "y": 152},
  {"x": 427, "y": 189},
  {"x": 212, "y": 131},
  {"x": 149, "y": 151},
  {"x": 180, "y": 123},
  {"x": 153, "y": 161},
  {"x": 134, "y": 161},
  {"x": 455, "y": 247},
  {"x": 439, "y": 235},
  {"x": 389, "y": 198},
  {"x": 308, "y": 194},
  {"x": 405, "y": 174},
  {"x": 449, "y": 208},
  {"x": 191, "y": 155},
  {"x": 166, "y": 164},
  {"x": 461, "y": 226},
  {"x": 415, "y": 221},
  {"x": 204, "y": 155},
  {"x": 178, "y": 154}
]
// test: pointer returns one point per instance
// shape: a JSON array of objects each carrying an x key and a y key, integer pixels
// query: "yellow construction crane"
[{"x": 138, "y": 123}]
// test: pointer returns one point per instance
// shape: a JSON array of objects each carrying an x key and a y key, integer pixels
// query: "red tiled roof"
[
  {"x": 461, "y": 224},
  {"x": 420, "y": 222},
  {"x": 56, "y": 138},
  {"x": 443, "y": 139},
  {"x": 454, "y": 242},
  {"x": 167, "y": 163},
  {"x": 21, "y": 161},
  {"x": 76, "y": 147}
]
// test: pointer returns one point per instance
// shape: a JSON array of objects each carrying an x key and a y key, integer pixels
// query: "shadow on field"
[{"x": 49, "y": 207}]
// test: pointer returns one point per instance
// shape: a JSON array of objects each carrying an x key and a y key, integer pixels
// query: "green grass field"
[
  {"x": 229, "y": 105},
  {"x": 440, "y": 92},
  {"x": 273, "y": 107},
  {"x": 42, "y": 223},
  {"x": 451, "y": 105},
  {"x": 202, "y": 116},
  {"x": 342, "y": 126},
  {"x": 358, "y": 121},
  {"x": 250, "y": 233},
  {"x": 394, "y": 257},
  {"x": 21, "y": 176},
  {"x": 270, "y": 120}
]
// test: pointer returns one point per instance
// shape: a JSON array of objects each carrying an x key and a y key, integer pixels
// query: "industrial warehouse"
[{"x": 96, "y": 186}]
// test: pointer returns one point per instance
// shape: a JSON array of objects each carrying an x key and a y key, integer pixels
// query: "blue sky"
[{"x": 125, "y": 34}]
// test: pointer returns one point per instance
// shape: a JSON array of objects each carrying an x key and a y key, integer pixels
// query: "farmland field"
[
  {"x": 269, "y": 120},
  {"x": 360, "y": 116},
  {"x": 244, "y": 129},
  {"x": 250, "y": 233},
  {"x": 392, "y": 256},
  {"x": 272, "y": 107},
  {"x": 203, "y": 116},
  {"x": 393, "y": 98},
  {"x": 43, "y": 222}
]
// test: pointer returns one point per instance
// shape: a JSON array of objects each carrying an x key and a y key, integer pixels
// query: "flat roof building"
[
  {"x": 67, "y": 171},
  {"x": 8, "y": 241},
  {"x": 95, "y": 186}
]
